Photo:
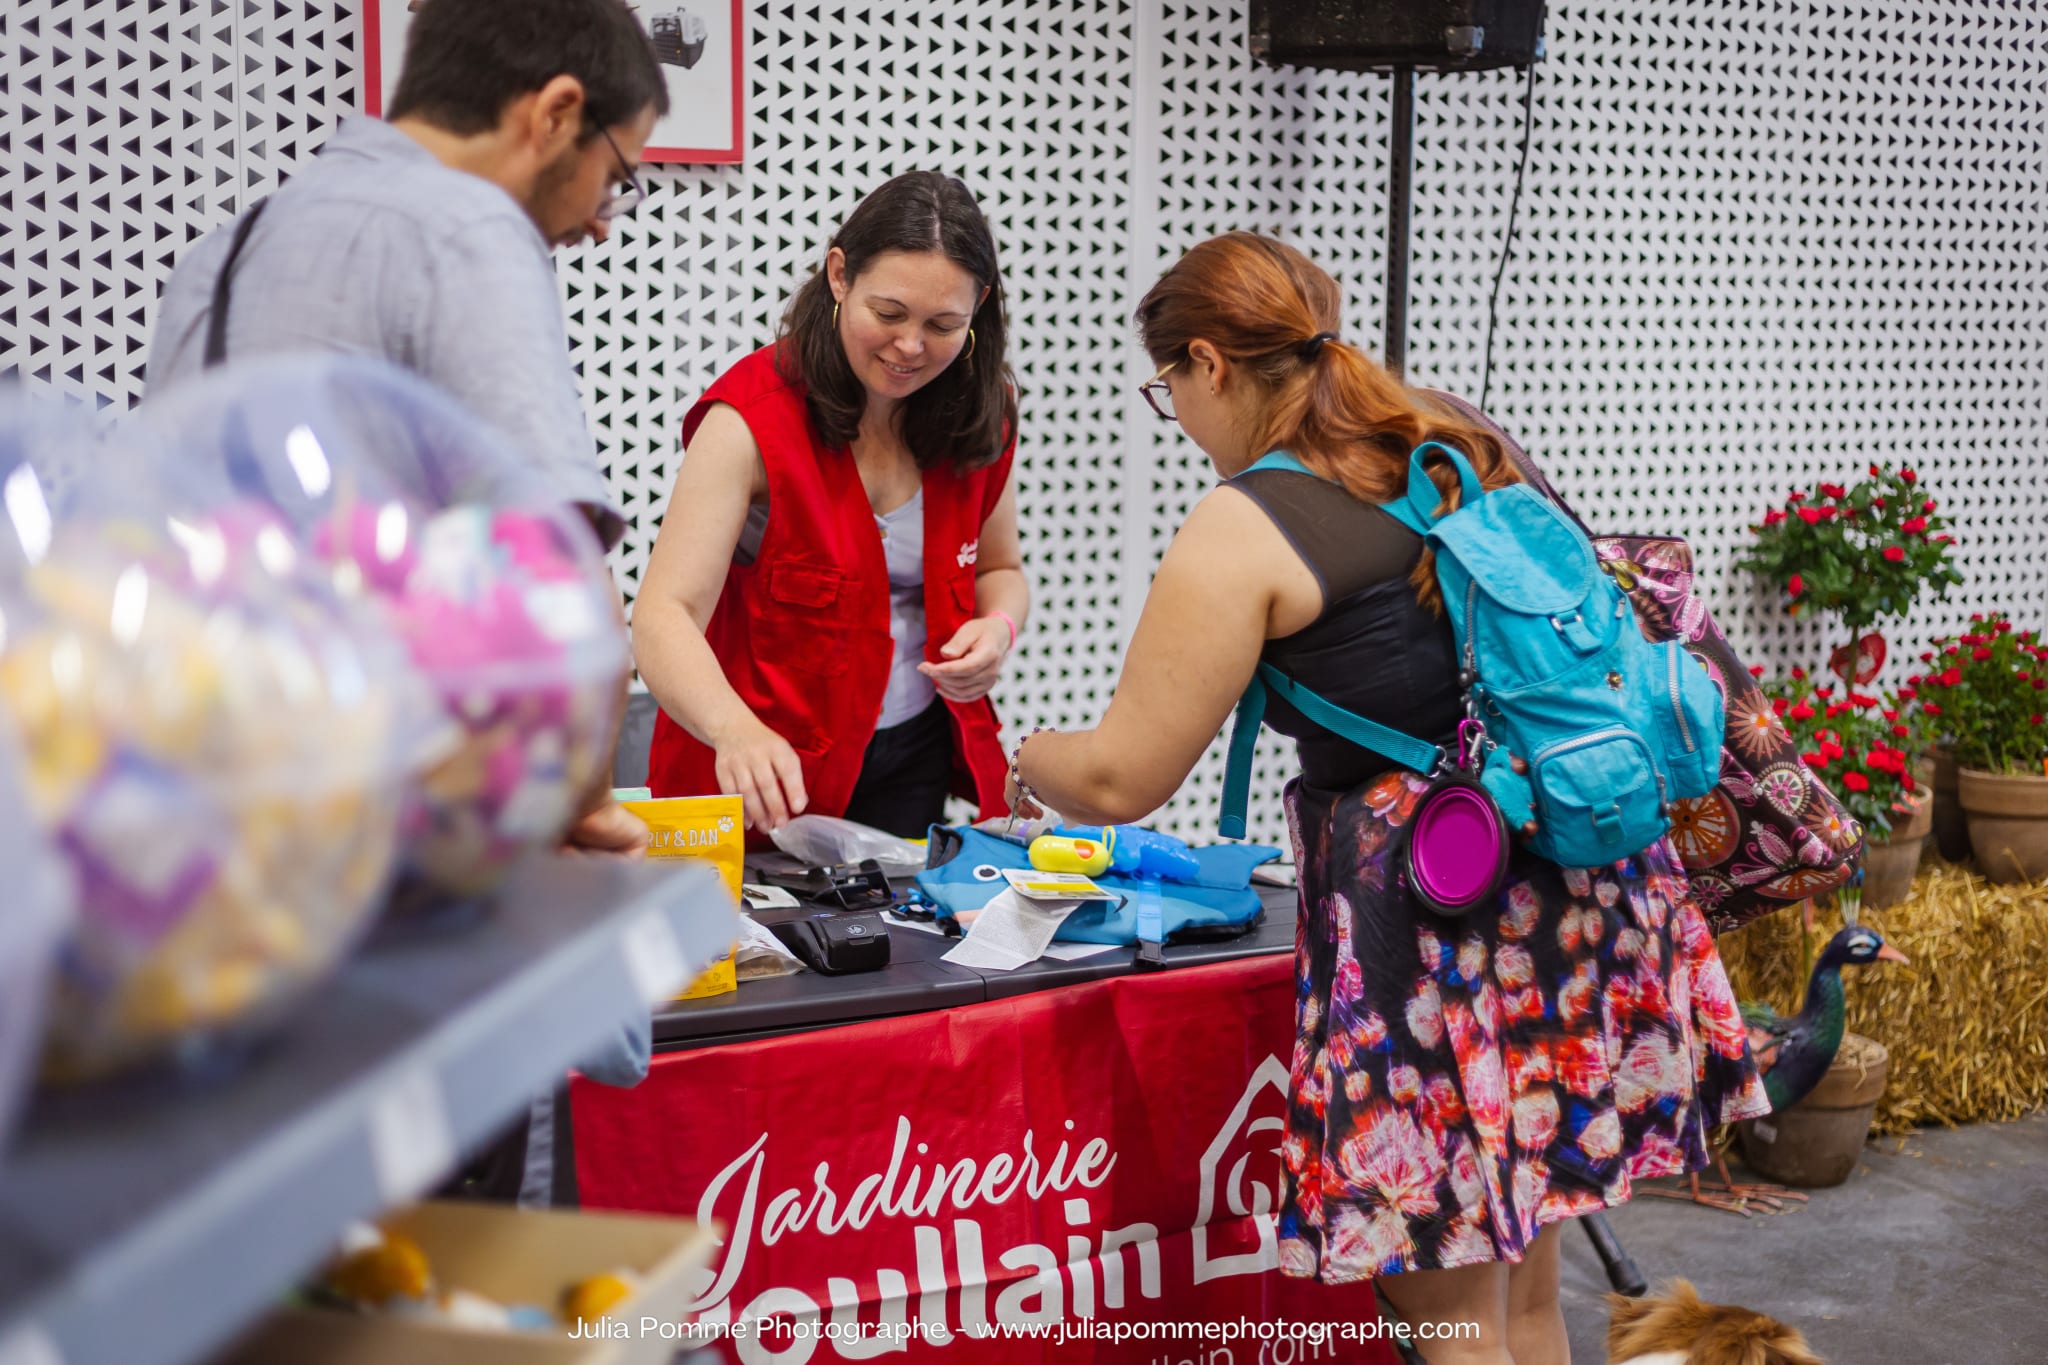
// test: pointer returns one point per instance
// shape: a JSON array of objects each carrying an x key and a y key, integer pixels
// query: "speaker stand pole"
[{"x": 1400, "y": 194}]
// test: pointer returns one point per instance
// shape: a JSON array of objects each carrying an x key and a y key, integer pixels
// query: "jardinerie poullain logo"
[{"x": 914, "y": 1228}]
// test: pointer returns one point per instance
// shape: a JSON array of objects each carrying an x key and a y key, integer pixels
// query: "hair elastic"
[{"x": 1313, "y": 347}]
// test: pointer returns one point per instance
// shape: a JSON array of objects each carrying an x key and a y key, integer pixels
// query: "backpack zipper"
[
  {"x": 1678, "y": 707},
  {"x": 1471, "y": 601},
  {"x": 1565, "y": 746}
]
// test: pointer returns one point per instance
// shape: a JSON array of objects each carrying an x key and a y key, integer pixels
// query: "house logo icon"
[{"x": 1249, "y": 1142}]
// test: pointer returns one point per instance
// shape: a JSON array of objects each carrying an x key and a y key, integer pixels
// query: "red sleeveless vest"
[{"x": 803, "y": 631}]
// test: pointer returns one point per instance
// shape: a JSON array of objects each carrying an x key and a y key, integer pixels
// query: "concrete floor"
[{"x": 1935, "y": 1252}]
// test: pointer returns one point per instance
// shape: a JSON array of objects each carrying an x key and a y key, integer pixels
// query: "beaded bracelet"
[{"x": 1016, "y": 773}]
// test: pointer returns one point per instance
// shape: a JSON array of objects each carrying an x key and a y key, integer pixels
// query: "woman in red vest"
[{"x": 838, "y": 577}]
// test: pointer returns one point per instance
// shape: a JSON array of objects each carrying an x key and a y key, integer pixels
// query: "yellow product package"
[{"x": 710, "y": 829}]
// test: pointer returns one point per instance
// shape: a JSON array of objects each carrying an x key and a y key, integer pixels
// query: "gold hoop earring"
[
  {"x": 835, "y": 317},
  {"x": 970, "y": 344}
]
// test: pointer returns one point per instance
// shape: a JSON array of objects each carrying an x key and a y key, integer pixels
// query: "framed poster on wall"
[{"x": 700, "y": 44}]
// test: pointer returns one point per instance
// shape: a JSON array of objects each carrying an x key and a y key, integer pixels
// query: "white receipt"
[
  {"x": 1064, "y": 952},
  {"x": 1010, "y": 931}
]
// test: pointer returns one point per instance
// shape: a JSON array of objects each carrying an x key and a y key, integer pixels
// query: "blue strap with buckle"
[{"x": 1411, "y": 753}]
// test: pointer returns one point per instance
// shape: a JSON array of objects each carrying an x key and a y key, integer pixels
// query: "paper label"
[
  {"x": 411, "y": 1143},
  {"x": 1055, "y": 886}
]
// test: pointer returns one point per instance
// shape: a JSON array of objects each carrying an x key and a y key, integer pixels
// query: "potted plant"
[
  {"x": 1864, "y": 747},
  {"x": 1990, "y": 697},
  {"x": 1864, "y": 552}
]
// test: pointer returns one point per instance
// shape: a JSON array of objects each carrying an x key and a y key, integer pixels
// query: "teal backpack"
[{"x": 1613, "y": 727}]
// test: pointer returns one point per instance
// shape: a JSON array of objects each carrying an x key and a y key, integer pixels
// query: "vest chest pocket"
[
  {"x": 802, "y": 618},
  {"x": 813, "y": 586}
]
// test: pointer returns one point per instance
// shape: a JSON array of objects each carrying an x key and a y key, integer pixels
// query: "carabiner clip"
[{"x": 1472, "y": 743}]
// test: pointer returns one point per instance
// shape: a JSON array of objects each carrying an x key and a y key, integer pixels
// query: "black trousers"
[{"x": 905, "y": 775}]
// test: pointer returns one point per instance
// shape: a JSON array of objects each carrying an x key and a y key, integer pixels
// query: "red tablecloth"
[{"x": 1093, "y": 1159}]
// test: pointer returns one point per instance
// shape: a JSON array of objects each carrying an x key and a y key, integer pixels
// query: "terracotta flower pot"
[
  {"x": 1951, "y": 830},
  {"x": 1889, "y": 865},
  {"x": 2008, "y": 818},
  {"x": 1817, "y": 1141}
]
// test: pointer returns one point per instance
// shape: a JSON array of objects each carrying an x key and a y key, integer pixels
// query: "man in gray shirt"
[{"x": 426, "y": 241}]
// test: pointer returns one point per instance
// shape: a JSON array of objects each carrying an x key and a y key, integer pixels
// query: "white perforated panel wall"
[{"x": 1758, "y": 245}]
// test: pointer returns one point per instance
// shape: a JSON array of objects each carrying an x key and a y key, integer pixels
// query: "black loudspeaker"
[{"x": 1381, "y": 35}]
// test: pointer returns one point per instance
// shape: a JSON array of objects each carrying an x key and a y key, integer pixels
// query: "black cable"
[{"x": 1507, "y": 245}]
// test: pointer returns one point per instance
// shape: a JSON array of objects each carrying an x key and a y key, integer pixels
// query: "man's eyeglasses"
[
  {"x": 1158, "y": 394},
  {"x": 624, "y": 200}
]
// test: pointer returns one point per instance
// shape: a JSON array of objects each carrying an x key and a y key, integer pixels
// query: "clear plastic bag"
[
  {"x": 214, "y": 741},
  {"x": 37, "y": 914},
  {"x": 824, "y": 840},
  {"x": 500, "y": 592}
]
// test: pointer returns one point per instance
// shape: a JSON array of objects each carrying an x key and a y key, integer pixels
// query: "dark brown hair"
[
  {"x": 966, "y": 415},
  {"x": 465, "y": 60},
  {"x": 1261, "y": 304}
]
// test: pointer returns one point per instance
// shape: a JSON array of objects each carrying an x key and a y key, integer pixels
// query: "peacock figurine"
[{"x": 1793, "y": 1054}]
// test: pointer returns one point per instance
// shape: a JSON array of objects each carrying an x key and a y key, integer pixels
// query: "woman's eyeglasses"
[{"x": 1158, "y": 394}]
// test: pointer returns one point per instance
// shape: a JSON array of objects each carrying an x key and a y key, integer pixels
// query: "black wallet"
[{"x": 835, "y": 943}]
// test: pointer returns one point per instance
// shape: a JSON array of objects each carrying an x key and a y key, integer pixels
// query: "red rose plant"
[{"x": 1864, "y": 552}]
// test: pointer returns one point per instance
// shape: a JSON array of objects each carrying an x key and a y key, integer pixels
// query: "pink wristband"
[{"x": 1008, "y": 622}]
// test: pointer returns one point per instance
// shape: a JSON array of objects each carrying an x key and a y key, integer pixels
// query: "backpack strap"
[
  {"x": 1280, "y": 459},
  {"x": 1404, "y": 749},
  {"x": 1532, "y": 473},
  {"x": 1417, "y": 514},
  {"x": 1416, "y": 508},
  {"x": 223, "y": 288},
  {"x": 1421, "y": 501}
]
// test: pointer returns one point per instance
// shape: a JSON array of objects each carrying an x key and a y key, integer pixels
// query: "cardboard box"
[
  {"x": 513, "y": 1256},
  {"x": 711, "y": 829}
]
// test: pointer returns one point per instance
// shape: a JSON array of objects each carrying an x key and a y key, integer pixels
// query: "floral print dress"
[{"x": 1459, "y": 1084}]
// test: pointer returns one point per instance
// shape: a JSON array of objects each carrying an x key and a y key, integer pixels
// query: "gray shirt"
[
  {"x": 909, "y": 691},
  {"x": 379, "y": 249}
]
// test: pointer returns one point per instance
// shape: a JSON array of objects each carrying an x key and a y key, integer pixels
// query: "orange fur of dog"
[{"x": 1678, "y": 1326}]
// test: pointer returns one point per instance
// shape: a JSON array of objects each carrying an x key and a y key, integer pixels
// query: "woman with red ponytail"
[{"x": 1459, "y": 1087}]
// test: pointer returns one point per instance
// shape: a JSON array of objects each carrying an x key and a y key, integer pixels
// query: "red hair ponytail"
[{"x": 1261, "y": 304}]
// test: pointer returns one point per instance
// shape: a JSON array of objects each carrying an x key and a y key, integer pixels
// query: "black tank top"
[{"x": 1375, "y": 650}]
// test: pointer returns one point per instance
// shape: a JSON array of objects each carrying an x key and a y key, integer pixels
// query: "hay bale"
[{"x": 1966, "y": 1023}]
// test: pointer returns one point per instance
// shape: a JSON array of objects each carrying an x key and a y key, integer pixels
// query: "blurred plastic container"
[
  {"x": 45, "y": 451},
  {"x": 499, "y": 590},
  {"x": 212, "y": 740},
  {"x": 37, "y": 912},
  {"x": 501, "y": 614}
]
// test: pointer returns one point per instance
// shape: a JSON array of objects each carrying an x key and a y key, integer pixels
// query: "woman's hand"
[
  {"x": 972, "y": 660},
  {"x": 760, "y": 765}
]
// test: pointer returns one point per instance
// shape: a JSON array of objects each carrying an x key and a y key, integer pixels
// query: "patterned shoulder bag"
[{"x": 1770, "y": 834}]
